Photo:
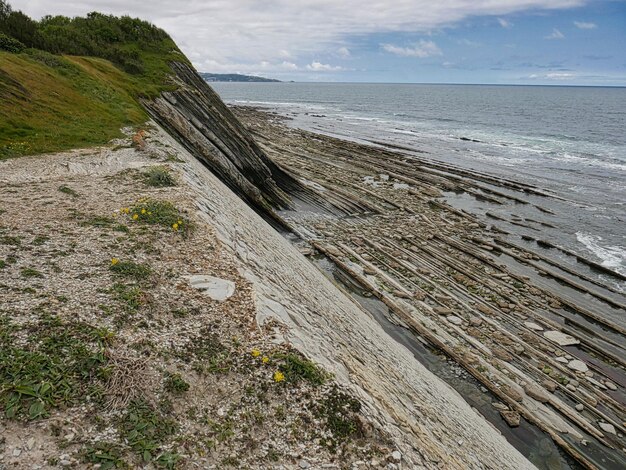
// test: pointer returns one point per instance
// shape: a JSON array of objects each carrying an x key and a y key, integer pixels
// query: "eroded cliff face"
[{"x": 196, "y": 116}]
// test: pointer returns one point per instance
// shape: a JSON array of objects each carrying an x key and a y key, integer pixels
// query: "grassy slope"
[{"x": 50, "y": 103}]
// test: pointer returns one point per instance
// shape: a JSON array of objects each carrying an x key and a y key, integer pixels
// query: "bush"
[{"x": 10, "y": 45}]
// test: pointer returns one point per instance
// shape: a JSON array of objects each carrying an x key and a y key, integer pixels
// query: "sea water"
[{"x": 568, "y": 140}]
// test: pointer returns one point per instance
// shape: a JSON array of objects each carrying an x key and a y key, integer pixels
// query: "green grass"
[
  {"x": 174, "y": 383},
  {"x": 31, "y": 272},
  {"x": 69, "y": 191}
]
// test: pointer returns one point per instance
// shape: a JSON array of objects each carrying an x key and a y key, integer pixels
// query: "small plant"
[
  {"x": 296, "y": 368},
  {"x": 40, "y": 240},
  {"x": 3, "y": 264},
  {"x": 159, "y": 177},
  {"x": 130, "y": 269},
  {"x": 146, "y": 429},
  {"x": 174, "y": 383},
  {"x": 9, "y": 240},
  {"x": 130, "y": 296},
  {"x": 98, "y": 221},
  {"x": 30, "y": 272},
  {"x": 105, "y": 454},
  {"x": 69, "y": 191},
  {"x": 339, "y": 412}
]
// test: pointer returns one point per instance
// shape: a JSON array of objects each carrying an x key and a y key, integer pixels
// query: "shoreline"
[{"x": 533, "y": 294}]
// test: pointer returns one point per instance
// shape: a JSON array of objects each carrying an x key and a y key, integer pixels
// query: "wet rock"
[
  {"x": 512, "y": 418},
  {"x": 562, "y": 360},
  {"x": 500, "y": 406},
  {"x": 560, "y": 338},
  {"x": 216, "y": 288},
  {"x": 578, "y": 366}
]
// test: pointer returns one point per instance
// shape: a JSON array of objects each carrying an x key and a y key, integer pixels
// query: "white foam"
[{"x": 613, "y": 257}]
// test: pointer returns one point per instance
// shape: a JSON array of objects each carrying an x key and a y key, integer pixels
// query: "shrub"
[
  {"x": 159, "y": 177},
  {"x": 10, "y": 44}
]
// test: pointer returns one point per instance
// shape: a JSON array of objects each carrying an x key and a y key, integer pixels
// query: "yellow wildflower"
[
  {"x": 135, "y": 216},
  {"x": 143, "y": 211},
  {"x": 279, "y": 376},
  {"x": 149, "y": 213},
  {"x": 125, "y": 210},
  {"x": 180, "y": 222},
  {"x": 265, "y": 359},
  {"x": 175, "y": 226},
  {"x": 114, "y": 261},
  {"x": 255, "y": 353}
]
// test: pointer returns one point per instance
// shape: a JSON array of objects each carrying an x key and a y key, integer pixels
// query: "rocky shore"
[{"x": 544, "y": 338}]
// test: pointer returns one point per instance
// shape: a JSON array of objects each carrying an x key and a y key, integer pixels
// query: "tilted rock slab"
[{"x": 431, "y": 424}]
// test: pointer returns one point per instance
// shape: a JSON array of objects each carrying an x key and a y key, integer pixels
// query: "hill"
[{"x": 234, "y": 77}]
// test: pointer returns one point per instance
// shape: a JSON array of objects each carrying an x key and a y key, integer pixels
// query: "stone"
[
  {"x": 369, "y": 271},
  {"x": 610, "y": 385},
  {"x": 512, "y": 418},
  {"x": 216, "y": 288},
  {"x": 537, "y": 393},
  {"x": 304, "y": 464},
  {"x": 500, "y": 406},
  {"x": 578, "y": 366},
  {"x": 396, "y": 455},
  {"x": 549, "y": 385},
  {"x": 606, "y": 427},
  {"x": 475, "y": 321},
  {"x": 30, "y": 443},
  {"x": 65, "y": 463},
  {"x": 17, "y": 452},
  {"x": 533, "y": 326},
  {"x": 560, "y": 338},
  {"x": 442, "y": 310},
  {"x": 562, "y": 360},
  {"x": 454, "y": 320},
  {"x": 502, "y": 354},
  {"x": 580, "y": 407},
  {"x": 514, "y": 394},
  {"x": 601, "y": 386}
]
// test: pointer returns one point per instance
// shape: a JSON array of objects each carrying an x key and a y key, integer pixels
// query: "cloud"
[
  {"x": 422, "y": 49},
  {"x": 467, "y": 42},
  {"x": 343, "y": 52},
  {"x": 557, "y": 76},
  {"x": 250, "y": 31},
  {"x": 504, "y": 23},
  {"x": 584, "y": 25},
  {"x": 555, "y": 34},
  {"x": 319, "y": 67}
]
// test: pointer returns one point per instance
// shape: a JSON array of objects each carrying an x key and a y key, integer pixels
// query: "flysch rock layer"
[{"x": 431, "y": 423}]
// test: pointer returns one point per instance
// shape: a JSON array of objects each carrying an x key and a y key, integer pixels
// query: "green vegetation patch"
[
  {"x": 174, "y": 383},
  {"x": 146, "y": 430},
  {"x": 296, "y": 368},
  {"x": 130, "y": 269},
  {"x": 162, "y": 213},
  {"x": 159, "y": 177},
  {"x": 340, "y": 414},
  {"x": 54, "y": 363},
  {"x": 67, "y": 190}
]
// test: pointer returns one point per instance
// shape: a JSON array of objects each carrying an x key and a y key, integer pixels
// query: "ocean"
[{"x": 570, "y": 141}]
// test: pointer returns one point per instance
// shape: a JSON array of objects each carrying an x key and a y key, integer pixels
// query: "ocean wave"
[{"x": 613, "y": 257}]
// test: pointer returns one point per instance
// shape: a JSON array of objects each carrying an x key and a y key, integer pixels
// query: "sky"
[{"x": 541, "y": 42}]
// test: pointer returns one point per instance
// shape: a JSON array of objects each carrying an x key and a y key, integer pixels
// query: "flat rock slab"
[
  {"x": 578, "y": 366},
  {"x": 216, "y": 288},
  {"x": 606, "y": 427},
  {"x": 560, "y": 338},
  {"x": 533, "y": 326}
]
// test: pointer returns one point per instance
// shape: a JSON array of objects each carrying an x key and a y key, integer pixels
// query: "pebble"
[
  {"x": 216, "y": 288},
  {"x": 475, "y": 321},
  {"x": 454, "y": 320},
  {"x": 30, "y": 443},
  {"x": 606, "y": 427},
  {"x": 442, "y": 310},
  {"x": 580, "y": 407},
  {"x": 512, "y": 418},
  {"x": 537, "y": 393},
  {"x": 65, "y": 463},
  {"x": 562, "y": 360},
  {"x": 17, "y": 452},
  {"x": 304, "y": 464},
  {"x": 610, "y": 385},
  {"x": 396, "y": 455}
]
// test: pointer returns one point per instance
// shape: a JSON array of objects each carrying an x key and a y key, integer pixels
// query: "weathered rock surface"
[
  {"x": 216, "y": 288},
  {"x": 560, "y": 338}
]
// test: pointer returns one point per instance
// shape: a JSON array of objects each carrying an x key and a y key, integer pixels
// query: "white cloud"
[
  {"x": 467, "y": 42},
  {"x": 319, "y": 67},
  {"x": 585, "y": 25},
  {"x": 343, "y": 52},
  {"x": 555, "y": 34},
  {"x": 421, "y": 49},
  {"x": 504, "y": 23},
  {"x": 241, "y": 32},
  {"x": 557, "y": 76}
]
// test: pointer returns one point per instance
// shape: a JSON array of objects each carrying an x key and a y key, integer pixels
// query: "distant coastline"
[{"x": 234, "y": 77}]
